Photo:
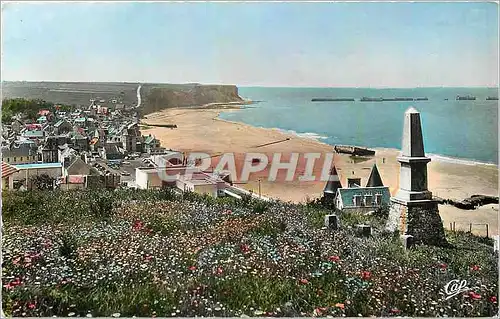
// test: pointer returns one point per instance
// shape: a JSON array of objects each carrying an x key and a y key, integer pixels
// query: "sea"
[{"x": 458, "y": 131}]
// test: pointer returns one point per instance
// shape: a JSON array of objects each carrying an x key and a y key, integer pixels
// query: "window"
[
  {"x": 378, "y": 199},
  {"x": 21, "y": 159},
  {"x": 8, "y": 159},
  {"x": 15, "y": 159},
  {"x": 356, "y": 199},
  {"x": 368, "y": 200}
]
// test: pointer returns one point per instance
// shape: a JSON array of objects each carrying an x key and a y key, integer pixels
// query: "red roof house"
[
  {"x": 43, "y": 112},
  {"x": 7, "y": 171}
]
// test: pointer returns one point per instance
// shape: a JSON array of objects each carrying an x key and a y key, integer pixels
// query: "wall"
[
  {"x": 210, "y": 189},
  {"x": 7, "y": 182},
  {"x": 52, "y": 172},
  {"x": 20, "y": 159},
  {"x": 78, "y": 167},
  {"x": 147, "y": 179}
]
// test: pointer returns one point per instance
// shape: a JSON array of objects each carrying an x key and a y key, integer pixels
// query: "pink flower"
[
  {"x": 32, "y": 305},
  {"x": 137, "y": 225},
  {"x": 148, "y": 257},
  {"x": 304, "y": 281},
  {"x": 395, "y": 310},
  {"x": 244, "y": 248},
  {"x": 366, "y": 275},
  {"x": 192, "y": 268},
  {"x": 493, "y": 299},
  {"x": 340, "y": 305},
  {"x": 474, "y": 295},
  {"x": 334, "y": 258},
  {"x": 318, "y": 311},
  {"x": 443, "y": 266},
  {"x": 475, "y": 268}
]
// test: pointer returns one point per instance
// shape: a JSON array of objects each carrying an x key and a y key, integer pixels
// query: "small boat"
[{"x": 492, "y": 98}]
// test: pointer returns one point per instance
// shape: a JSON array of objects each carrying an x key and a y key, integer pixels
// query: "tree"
[{"x": 43, "y": 182}]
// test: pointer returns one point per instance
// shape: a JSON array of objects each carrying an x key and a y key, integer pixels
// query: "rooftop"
[{"x": 38, "y": 165}]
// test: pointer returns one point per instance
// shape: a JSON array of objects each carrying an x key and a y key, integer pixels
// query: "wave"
[
  {"x": 455, "y": 160},
  {"x": 309, "y": 135}
]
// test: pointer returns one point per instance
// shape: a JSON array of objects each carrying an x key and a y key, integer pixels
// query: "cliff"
[{"x": 157, "y": 98}]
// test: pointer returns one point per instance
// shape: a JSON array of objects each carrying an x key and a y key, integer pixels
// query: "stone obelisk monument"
[{"x": 413, "y": 211}]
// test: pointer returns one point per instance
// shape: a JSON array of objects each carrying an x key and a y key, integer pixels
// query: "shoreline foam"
[{"x": 317, "y": 137}]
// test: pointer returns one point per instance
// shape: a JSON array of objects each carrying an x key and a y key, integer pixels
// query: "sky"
[{"x": 399, "y": 44}]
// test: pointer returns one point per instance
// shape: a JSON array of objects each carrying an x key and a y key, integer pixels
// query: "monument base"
[{"x": 419, "y": 219}]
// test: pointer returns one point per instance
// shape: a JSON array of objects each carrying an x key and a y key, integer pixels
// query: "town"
[{"x": 100, "y": 145}]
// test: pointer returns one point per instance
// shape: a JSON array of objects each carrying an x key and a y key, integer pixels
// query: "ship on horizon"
[{"x": 466, "y": 98}]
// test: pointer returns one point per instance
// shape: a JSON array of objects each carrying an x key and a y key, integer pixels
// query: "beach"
[{"x": 200, "y": 130}]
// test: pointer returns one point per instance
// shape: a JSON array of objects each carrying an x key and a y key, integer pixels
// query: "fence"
[{"x": 479, "y": 229}]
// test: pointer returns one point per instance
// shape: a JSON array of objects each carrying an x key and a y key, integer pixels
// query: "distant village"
[{"x": 96, "y": 146}]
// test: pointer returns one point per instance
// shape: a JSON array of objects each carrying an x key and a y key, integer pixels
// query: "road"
[{"x": 138, "y": 96}]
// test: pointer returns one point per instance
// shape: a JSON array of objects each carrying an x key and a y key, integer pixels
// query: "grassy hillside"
[
  {"x": 71, "y": 93},
  {"x": 153, "y": 253},
  {"x": 157, "y": 98},
  {"x": 154, "y": 96}
]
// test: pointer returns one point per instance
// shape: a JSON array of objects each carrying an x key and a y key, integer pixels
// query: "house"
[
  {"x": 79, "y": 141},
  {"x": 65, "y": 153},
  {"x": 17, "y": 126},
  {"x": 151, "y": 144},
  {"x": 97, "y": 139},
  {"x": 62, "y": 126},
  {"x": 363, "y": 199},
  {"x": 168, "y": 158},
  {"x": 111, "y": 152},
  {"x": 20, "y": 152},
  {"x": 130, "y": 135},
  {"x": 34, "y": 135},
  {"x": 72, "y": 182},
  {"x": 75, "y": 166},
  {"x": 7, "y": 176},
  {"x": 25, "y": 171},
  {"x": 81, "y": 121},
  {"x": 42, "y": 120},
  {"x": 50, "y": 150},
  {"x": 202, "y": 183},
  {"x": 198, "y": 182},
  {"x": 33, "y": 127},
  {"x": 43, "y": 112},
  {"x": 148, "y": 178}
]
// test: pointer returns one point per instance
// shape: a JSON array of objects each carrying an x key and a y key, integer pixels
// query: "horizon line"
[{"x": 263, "y": 86}]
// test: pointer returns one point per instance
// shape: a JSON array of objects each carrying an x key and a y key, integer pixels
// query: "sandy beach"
[{"x": 200, "y": 130}]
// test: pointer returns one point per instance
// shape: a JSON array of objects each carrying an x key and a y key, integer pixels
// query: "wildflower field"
[{"x": 152, "y": 253}]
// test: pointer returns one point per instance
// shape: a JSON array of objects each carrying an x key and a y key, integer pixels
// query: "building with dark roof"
[
  {"x": 331, "y": 186},
  {"x": 374, "y": 180},
  {"x": 363, "y": 199},
  {"x": 20, "y": 152}
]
